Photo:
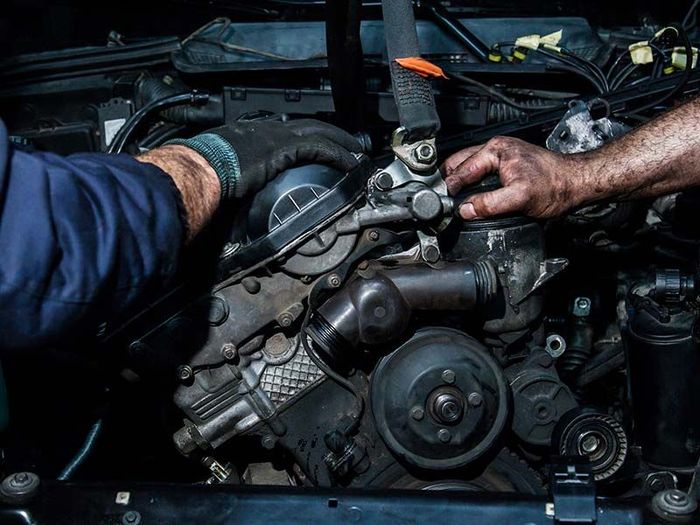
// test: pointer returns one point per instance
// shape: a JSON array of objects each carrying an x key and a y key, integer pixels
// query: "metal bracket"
[
  {"x": 572, "y": 490},
  {"x": 419, "y": 156}
]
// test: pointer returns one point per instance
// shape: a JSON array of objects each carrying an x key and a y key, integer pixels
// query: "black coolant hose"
[
  {"x": 123, "y": 136},
  {"x": 376, "y": 306}
]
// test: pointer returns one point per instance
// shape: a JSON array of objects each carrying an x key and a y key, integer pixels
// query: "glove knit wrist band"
[{"x": 219, "y": 153}]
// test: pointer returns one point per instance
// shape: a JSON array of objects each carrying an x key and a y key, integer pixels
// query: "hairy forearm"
[
  {"x": 194, "y": 177},
  {"x": 658, "y": 158}
]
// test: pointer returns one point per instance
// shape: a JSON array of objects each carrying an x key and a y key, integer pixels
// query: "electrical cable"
[
  {"x": 126, "y": 131},
  {"x": 500, "y": 96},
  {"x": 340, "y": 380},
  {"x": 83, "y": 453},
  {"x": 681, "y": 81}
]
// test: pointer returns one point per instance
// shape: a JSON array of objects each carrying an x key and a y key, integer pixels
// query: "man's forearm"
[
  {"x": 194, "y": 177},
  {"x": 660, "y": 157}
]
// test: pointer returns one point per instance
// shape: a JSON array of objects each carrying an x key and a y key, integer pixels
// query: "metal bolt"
[
  {"x": 425, "y": 153},
  {"x": 384, "y": 181},
  {"x": 268, "y": 442},
  {"x": 131, "y": 517},
  {"x": 285, "y": 319},
  {"x": 582, "y": 306},
  {"x": 444, "y": 435},
  {"x": 590, "y": 444},
  {"x": 19, "y": 487},
  {"x": 475, "y": 399},
  {"x": 431, "y": 253},
  {"x": 184, "y": 373},
  {"x": 228, "y": 351},
  {"x": 373, "y": 235},
  {"x": 448, "y": 408},
  {"x": 334, "y": 280},
  {"x": 555, "y": 345},
  {"x": 674, "y": 502},
  {"x": 417, "y": 413},
  {"x": 448, "y": 376}
]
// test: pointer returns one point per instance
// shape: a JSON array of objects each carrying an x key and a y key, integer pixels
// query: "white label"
[{"x": 111, "y": 129}]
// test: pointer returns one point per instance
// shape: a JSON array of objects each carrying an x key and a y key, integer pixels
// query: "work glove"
[{"x": 248, "y": 154}]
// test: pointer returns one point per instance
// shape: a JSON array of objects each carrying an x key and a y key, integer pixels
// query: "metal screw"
[
  {"x": 417, "y": 413},
  {"x": 373, "y": 235},
  {"x": 184, "y": 373},
  {"x": 268, "y": 442},
  {"x": 334, "y": 280},
  {"x": 582, "y": 307},
  {"x": 228, "y": 351},
  {"x": 285, "y": 319},
  {"x": 448, "y": 376},
  {"x": 444, "y": 435},
  {"x": 425, "y": 154},
  {"x": 384, "y": 181},
  {"x": 475, "y": 399}
]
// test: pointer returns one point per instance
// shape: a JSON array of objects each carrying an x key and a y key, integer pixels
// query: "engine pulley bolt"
[
  {"x": 384, "y": 181},
  {"x": 373, "y": 235},
  {"x": 448, "y": 376},
  {"x": 475, "y": 399},
  {"x": 184, "y": 373},
  {"x": 444, "y": 435},
  {"x": 448, "y": 408},
  {"x": 228, "y": 352},
  {"x": 19, "y": 487},
  {"x": 417, "y": 413},
  {"x": 590, "y": 444},
  {"x": 334, "y": 280}
]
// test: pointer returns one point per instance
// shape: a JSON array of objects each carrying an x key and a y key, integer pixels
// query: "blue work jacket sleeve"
[{"x": 82, "y": 238}]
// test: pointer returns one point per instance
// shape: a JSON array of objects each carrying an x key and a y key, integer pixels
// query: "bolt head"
[
  {"x": 384, "y": 181},
  {"x": 448, "y": 376},
  {"x": 475, "y": 399},
  {"x": 425, "y": 153},
  {"x": 417, "y": 413},
  {"x": 228, "y": 352},
  {"x": 285, "y": 320},
  {"x": 444, "y": 435},
  {"x": 373, "y": 235},
  {"x": 334, "y": 280},
  {"x": 431, "y": 253},
  {"x": 184, "y": 373}
]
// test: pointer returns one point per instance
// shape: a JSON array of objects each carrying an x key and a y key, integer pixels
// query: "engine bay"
[{"x": 349, "y": 329}]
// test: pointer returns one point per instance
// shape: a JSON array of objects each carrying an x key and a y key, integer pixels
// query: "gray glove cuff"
[{"x": 219, "y": 153}]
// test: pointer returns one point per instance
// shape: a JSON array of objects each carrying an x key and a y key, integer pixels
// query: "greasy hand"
[{"x": 536, "y": 182}]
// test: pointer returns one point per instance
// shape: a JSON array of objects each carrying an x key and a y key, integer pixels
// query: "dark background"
[{"x": 41, "y": 25}]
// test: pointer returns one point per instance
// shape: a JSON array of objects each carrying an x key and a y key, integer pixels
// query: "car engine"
[{"x": 349, "y": 329}]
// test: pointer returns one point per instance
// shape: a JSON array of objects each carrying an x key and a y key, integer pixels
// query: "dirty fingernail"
[{"x": 467, "y": 211}]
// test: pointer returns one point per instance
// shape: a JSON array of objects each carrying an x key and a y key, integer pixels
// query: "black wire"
[
  {"x": 125, "y": 132},
  {"x": 342, "y": 381},
  {"x": 500, "y": 96},
  {"x": 683, "y": 78},
  {"x": 691, "y": 11}
]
